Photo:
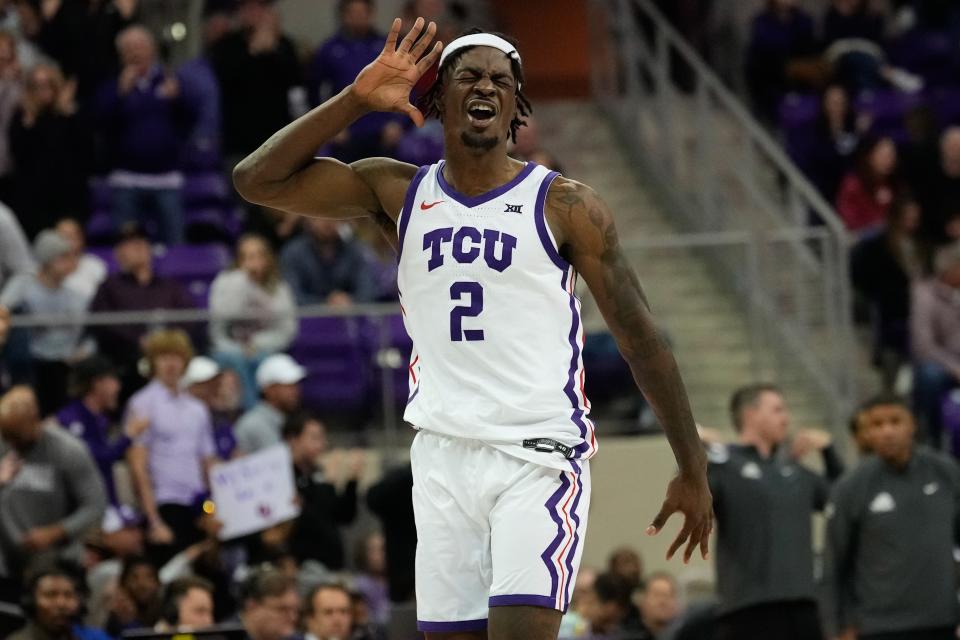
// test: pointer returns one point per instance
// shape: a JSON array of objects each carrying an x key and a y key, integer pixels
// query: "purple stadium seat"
[
  {"x": 929, "y": 54},
  {"x": 99, "y": 194},
  {"x": 946, "y": 104},
  {"x": 105, "y": 254},
  {"x": 888, "y": 110},
  {"x": 194, "y": 266},
  {"x": 799, "y": 110},
  {"x": 391, "y": 350},
  {"x": 337, "y": 362},
  {"x": 100, "y": 228},
  {"x": 204, "y": 189},
  {"x": 213, "y": 223}
]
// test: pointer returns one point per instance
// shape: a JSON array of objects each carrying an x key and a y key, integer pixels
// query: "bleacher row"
[
  {"x": 210, "y": 210},
  {"x": 344, "y": 355}
]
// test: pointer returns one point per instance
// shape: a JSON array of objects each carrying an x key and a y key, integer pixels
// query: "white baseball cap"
[
  {"x": 279, "y": 369},
  {"x": 200, "y": 369}
]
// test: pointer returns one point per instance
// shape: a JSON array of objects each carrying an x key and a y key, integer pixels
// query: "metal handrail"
[
  {"x": 748, "y": 184},
  {"x": 180, "y": 316},
  {"x": 744, "y": 118}
]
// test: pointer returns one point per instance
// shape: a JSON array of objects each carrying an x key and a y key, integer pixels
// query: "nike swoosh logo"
[{"x": 424, "y": 206}]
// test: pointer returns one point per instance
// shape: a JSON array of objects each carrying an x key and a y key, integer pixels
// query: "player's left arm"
[{"x": 587, "y": 237}]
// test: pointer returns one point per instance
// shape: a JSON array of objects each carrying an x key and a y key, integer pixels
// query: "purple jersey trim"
[
  {"x": 523, "y": 600},
  {"x": 576, "y": 538},
  {"x": 407, "y": 209},
  {"x": 541, "y": 222},
  {"x": 568, "y": 389},
  {"x": 547, "y": 556},
  {"x": 414, "y": 394},
  {"x": 476, "y": 201},
  {"x": 446, "y": 627}
]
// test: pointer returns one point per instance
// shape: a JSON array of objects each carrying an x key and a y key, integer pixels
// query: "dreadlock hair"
[{"x": 431, "y": 103}]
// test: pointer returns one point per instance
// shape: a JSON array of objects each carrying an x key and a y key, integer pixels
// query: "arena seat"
[{"x": 337, "y": 362}]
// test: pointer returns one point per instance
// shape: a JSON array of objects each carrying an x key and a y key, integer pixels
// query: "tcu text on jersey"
[{"x": 465, "y": 246}]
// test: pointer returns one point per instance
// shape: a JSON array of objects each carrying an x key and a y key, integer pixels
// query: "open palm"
[{"x": 385, "y": 84}]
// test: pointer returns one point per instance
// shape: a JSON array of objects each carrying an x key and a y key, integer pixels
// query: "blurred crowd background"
[{"x": 115, "y": 196}]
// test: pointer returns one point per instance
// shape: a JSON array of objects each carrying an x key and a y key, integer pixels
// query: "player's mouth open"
[{"x": 481, "y": 112}]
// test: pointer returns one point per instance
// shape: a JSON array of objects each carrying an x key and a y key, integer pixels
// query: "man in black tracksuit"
[
  {"x": 893, "y": 524},
  {"x": 763, "y": 499}
]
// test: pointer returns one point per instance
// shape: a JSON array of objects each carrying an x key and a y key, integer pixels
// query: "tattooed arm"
[{"x": 586, "y": 236}]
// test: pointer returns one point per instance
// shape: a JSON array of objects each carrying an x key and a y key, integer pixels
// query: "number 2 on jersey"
[{"x": 475, "y": 292}]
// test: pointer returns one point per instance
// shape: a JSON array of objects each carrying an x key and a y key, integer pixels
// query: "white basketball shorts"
[{"x": 493, "y": 530}]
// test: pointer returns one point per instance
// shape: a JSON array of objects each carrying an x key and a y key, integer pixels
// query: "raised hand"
[
  {"x": 385, "y": 84},
  {"x": 691, "y": 497}
]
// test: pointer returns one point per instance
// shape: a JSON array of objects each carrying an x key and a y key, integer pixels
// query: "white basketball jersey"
[{"x": 489, "y": 304}]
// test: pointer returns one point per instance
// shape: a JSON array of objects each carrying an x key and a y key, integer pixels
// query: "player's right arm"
[{"x": 283, "y": 173}]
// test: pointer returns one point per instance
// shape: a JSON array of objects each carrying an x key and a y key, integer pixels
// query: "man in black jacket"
[
  {"x": 763, "y": 498},
  {"x": 316, "y": 533}
]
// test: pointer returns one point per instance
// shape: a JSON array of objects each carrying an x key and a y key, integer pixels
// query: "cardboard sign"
[{"x": 254, "y": 492}]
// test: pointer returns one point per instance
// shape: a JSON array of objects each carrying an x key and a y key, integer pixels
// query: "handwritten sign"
[{"x": 254, "y": 492}]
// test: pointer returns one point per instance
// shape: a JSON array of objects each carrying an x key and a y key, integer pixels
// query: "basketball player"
[{"x": 490, "y": 249}]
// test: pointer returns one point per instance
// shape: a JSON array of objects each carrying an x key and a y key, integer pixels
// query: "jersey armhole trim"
[
  {"x": 543, "y": 229},
  {"x": 407, "y": 209}
]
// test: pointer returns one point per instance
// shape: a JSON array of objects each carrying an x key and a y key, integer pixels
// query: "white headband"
[{"x": 480, "y": 40}]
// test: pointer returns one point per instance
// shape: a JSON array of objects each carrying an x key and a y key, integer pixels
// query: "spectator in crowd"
[
  {"x": 391, "y": 501},
  {"x": 134, "y": 288},
  {"x": 782, "y": 33},
  {"x": 830, "y": 150},
  {"x": 15, "y": 255},
  {"x": 52, "y": 152},
  {"x": 371, "y": 578},
  {"x": 4, "y": 325},
  {"x": 95, "y": 387},
  {"x": 169, "y": 462},
  {"x": 54, "y": 610},
  {"x": 257, "y": 66},
  {"x": 327, "y": 613},
  {"x": 271, "y": 606},
  {"x": 763, "y": 498},
  {"x": 859, "y": 430},
  {"x": 323, "y": 265},
  {"x": 11, "y": 91},
  {"x": 867, "y": 192},
  {"x": 893, "y": 524},
  {"x": 336, "y": 63},
  {"x": 659, "y": 606},
  {"x": 324, "y": 509},
  {"x": 51, "y": 494},
  {"x": 16, "y": 18},
  {"x": 939, "y": 187},
  {"x": 203, "y": 379},
  {"x": 204, "y": 150},
  {"x": 611, "y": 614},
  {"x": 139, "y": 582},
  {"x": 278, "y": 378},
  {"x": 80, "y": 36},
  {"x": 144, "y": 118},
  {"x": 853, "y": 35},
  {"x": 91, "y": 270},
  {"x": 187, "y": 605},
  {"x": 846, "y": 19},
  {"x": 253, "y": 287},
  {"x": 626, "y": 563},
  {"x": 882, "y": 267},
  {"x": 935, "y": 339},
  {"x": 53, "y": 349}
]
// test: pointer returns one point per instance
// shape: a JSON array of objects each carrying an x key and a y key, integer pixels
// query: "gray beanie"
[{"x": 49, "y": 246}]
